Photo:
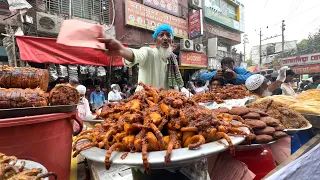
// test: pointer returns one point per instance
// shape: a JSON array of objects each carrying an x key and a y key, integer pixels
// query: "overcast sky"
[{"x": 301, "y": 18}]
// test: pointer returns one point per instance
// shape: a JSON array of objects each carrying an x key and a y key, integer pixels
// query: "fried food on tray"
[
  {"x": 288, "y": 117},
  {"x": 267, "y": 130},
  {"x": 279, "y": 134},
  {"x": 19, "y": 98},
  {"x": 239, "y": 111},
  {"x": 221, "y": 110},
  {"x": 308, "y": 107},
  {"x": 155, "y": 120},
  {"x": 270, "y": 121},
  {"x": 220, "y": 94},
  {"x": 311, "y": 94},
  {"x": 280, "y": 127},
  {"x": 288, "y": 100},
  {"x": 9, "y": 170},
  {"x": 256, "y": 124},
  {"x": 252, "y": 115},
  {"x": 263, "y": 139},
  {"x": 64, "y": 94}
]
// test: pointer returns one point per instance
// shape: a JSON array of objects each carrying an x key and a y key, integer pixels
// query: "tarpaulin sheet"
[{"x": 46, "y": 50}]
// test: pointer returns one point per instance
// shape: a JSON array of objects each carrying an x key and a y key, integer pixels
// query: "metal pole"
[
  {"x": 13, "y": 46},
  {"x": 283, "y": 28},
  {"x": 260, "y": 49}
]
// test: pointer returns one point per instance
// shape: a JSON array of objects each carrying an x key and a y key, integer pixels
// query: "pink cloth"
[
  {"x": 224, "y": 167},
  {"x": 81, "y": 34},
  {"x": 281, "y": 150}
]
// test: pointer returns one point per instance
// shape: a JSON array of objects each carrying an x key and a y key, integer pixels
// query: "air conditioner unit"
[
  {"x": 198, "y": 48},
  {"x": 48, "y": 23},
  {"x": 196, "y": 4},
  {"x": 186, "y": 45},
  {"x": 212, "y": 47}
]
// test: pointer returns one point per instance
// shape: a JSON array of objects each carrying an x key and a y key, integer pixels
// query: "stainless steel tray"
[
  {"x": 32, "y": 164},
  {"x": 32, "y": 111},
  {"x": 290, "y": 131},
  {"x": 179, "y": 157}
]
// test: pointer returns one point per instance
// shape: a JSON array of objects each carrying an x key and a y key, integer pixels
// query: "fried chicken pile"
[
  {"x": 290, "y": 118},
  {"x": 8, "y": 170},
  {"x": 220, "y": 94},
  {"x": 265, "y": 128},
  {"x": 155, "y": 120}
]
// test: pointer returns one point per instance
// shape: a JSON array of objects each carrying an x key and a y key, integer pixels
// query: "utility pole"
[
  {"x": 283, "y": 27},
  {"x": 245, "y": 41},
  {"x": 260, "y": 49}
]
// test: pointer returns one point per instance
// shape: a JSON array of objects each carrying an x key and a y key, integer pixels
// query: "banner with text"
[
  {"x": 145, "y": 17},
  {"x": 169, "y": 6},
  {"x": 314, "y": 68},
  {"x": 301, "y": 60},
  {"x": 193, "y": 59},
  {"x": 195, "y": 24}
]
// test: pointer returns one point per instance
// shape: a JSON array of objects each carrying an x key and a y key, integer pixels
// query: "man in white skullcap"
[
  {"x": 114, "y": 95},
  {"x": 83, "y": 106},
  {"x": 261, "y": 86}
]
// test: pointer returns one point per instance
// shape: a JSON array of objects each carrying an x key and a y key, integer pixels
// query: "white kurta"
[
  {"x": 153, "y": 70},
  {"x": 287, "y": 90}
]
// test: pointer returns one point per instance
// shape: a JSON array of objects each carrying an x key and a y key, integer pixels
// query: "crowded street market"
[{"x": 156, "y": 91}]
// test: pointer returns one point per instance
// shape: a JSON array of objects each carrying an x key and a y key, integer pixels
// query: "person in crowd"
[
  {"x": 230, "y": 73},
  {"x": 286, "y": 86},
  {"x": 318, "y": 86},
  {"x": 114, "y": 95},
  {"x": 261, "y": 86},
  {"x": 315, "y": 82},
  {"x": 215, "y": 83},
  {"x": 304, "y": 84},
  {"x": 157, "y": 66},
  {"x": 83, "y": 106},
  {"x": 97, "y": 98},
  {"x": 131, "y": 91},
  {"x": 74, "y": 82}
]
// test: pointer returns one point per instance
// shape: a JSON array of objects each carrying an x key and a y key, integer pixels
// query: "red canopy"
[{"x": 46, "y": 50}]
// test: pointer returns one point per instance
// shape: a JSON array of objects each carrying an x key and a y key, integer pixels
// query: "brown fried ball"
[
  {"x": 221, "y": 110},
  {"x": 239, "y": 111},
  {"x": 270, "y": 121},
  {"x": 279, "y": 134},
  {"x": 263, "y": 139},
  {"x": 266, "y": 130},
  {"x": 251, "y": 115},
  {"x": 280, "y": 127},
  {"x": 256, "y": 124},
  {"x": 260, "y": 111}
]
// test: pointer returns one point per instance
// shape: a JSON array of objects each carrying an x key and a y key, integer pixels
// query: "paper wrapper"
[
  {"x": 81, "y": 34},
  {"x": 228, "y": 103}
]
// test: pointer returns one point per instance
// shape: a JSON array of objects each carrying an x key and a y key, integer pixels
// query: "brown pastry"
[
  {"x": 280, "y": 127},
  {"x": 239, "y": 111},
  {"x": 221, "y": 110},
  {"x": 256, "y": 110},
  {"x": 252, "y": 119},
  {"x": 270, "y": 121},
  {"x": 252, "y": 115},
  {"x": 266, "y": 130},
  {"x": 279, "y": 134},
  {"x": 263, "y": 139},
  {"x": 256, "y": 124}
]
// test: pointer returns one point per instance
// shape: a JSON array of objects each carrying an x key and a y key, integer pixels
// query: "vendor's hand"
[
  {"x": 282, "y": 73},
  {"x": 219, "y": 75},
  {"x": 234, "y": 74},
  {"x": 112, "y": 47}
]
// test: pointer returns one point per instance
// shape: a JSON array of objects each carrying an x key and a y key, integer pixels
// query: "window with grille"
[
  {"x": 96, "y": 10},
  {"x": 232, "y": 12}
]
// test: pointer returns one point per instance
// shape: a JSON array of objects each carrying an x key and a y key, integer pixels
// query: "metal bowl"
[{"x": 31, "y": 164}]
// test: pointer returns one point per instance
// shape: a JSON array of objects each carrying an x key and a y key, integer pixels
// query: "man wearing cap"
[
  {"x": 114, "y": 95},
  {"x": 157, "y": 66}
]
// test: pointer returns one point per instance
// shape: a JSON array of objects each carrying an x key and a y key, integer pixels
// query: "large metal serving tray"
[{"x": 32, "y": 111}]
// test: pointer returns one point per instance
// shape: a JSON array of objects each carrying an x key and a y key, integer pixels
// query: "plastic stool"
[
  {"x": 260, "y": 161},
  {"x": 295, "y": 142}
]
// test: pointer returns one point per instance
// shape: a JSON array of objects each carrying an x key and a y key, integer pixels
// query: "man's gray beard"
[{"x": 165, "y": 52}]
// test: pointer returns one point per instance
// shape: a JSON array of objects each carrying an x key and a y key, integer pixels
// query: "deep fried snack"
[
  {"x": 256, "y": 124},
  {"x": 279, "y": 135},
  {"x": 221, "y": 110},
  {"x": 263, "y": 139},
  {"x": 239, "y": 111},
  {"x": 280, "y": 127},
  {"x": 270, "y": 121},
  {"x": 252, "y": 115},
  {"x": 64, "y": 94},
  {"x": 260, "y": 111},
  {"x": 267, "y": 130}
]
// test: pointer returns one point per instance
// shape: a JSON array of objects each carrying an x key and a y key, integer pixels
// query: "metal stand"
[{"x": 157, "y": 174}]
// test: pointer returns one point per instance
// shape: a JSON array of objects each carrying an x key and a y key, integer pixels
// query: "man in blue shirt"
[
  {"x": 97, "y": 98},
  {"x": 230, "y": 73}
]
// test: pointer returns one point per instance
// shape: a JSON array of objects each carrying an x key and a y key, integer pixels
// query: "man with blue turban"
[{"x": 157, "y": 66}]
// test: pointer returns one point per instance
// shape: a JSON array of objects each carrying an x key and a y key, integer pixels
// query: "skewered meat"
[
  {"x": 64, "y": 94},
  {"x": 23, "y": 77},
  {"x": 153, "y": 120},
  {"x": 18, "y": 98}
]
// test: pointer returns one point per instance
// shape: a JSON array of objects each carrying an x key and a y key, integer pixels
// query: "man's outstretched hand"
[{"x": 114, "y": 47}]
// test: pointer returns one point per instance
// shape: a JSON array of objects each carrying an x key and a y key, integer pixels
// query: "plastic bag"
[
  {"x": 84, "y": 70},
  {"x": 197, "y": 170},
  {"x": 53, "y": 74},
  {"x": 62, "y": 71},
  {"x": 101, "y": 71},
  {"x": 92, "y": 71},
  {"x": 73, "y": 71}
]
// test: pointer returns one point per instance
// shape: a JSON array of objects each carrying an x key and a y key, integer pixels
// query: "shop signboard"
[
  {"x": 195, "y": 24},
  {"x": 301, "y": 60},
  {"x": 168, "y": 6},
  {"x": 222, "y": 32},
  {"x": 307, "y": 69},
  {"x": 193, "y": 59},
  {"x": 142, "y": 16}
]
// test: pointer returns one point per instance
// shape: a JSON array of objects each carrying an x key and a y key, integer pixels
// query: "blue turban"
[{"x": 162, "y": 27}]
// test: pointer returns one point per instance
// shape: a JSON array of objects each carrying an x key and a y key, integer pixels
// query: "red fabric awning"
[{"x": 46, "y": 50}]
